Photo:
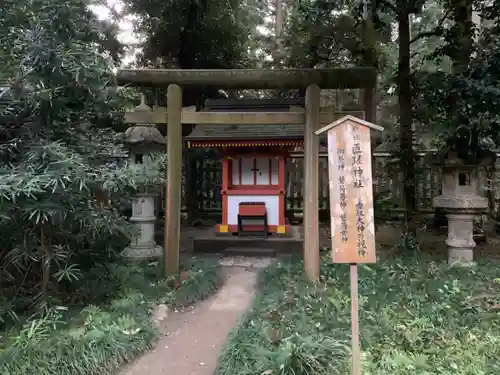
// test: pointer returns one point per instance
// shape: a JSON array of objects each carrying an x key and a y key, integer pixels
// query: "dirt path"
[{"x": 191, "y": 340}]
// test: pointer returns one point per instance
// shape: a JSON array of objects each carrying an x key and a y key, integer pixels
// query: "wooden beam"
[
  {"x": 311, "y": 181},
  {"x": 338, "y": 78},
  {"x": 257, "y": 118},
  {"x": 174, "y": 176},
  {"x": 159, "y": 116}
]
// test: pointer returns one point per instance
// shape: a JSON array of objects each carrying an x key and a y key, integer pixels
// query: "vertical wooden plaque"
[{"x": 351, "y": 190}]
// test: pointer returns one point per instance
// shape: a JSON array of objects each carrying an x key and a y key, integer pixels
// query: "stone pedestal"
[
  {"x": 460, "y": 238},
  {"x": 143, "y": 246}
]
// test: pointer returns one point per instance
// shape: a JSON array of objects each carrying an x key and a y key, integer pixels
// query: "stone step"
[
  {"x": 257, "y": 246},
  {"x": 259, "y": 261}
]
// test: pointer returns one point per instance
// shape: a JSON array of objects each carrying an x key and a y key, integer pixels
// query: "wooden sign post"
[{"x": 351, "y": 205}]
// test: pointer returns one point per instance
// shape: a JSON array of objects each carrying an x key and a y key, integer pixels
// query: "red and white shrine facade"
[
  {"x": 253, "y": 190},
  {"x": 253, "y": 168}
]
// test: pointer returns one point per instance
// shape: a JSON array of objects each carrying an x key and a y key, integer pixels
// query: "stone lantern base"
[
  {"x": 142, "y": 253},
  {"x": 460, "y": 239},
  {"x": 461, "y": 211},
  {"x": 143, "y": 216}
]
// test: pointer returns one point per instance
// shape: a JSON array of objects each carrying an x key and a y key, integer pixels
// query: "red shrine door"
[
  {"x": 253, "y": 194},
  {"x": 255, "y": 171}
]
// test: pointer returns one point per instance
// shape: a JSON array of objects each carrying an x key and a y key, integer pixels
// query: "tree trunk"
[
  {"x": 463, "y": 31},
  {"x": 370, "y": 60},
  {"x": 462, "y": 34},
  {"x": 407, "y": 155}
]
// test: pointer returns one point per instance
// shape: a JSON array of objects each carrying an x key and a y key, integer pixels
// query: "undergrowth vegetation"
[
  {"x": 416, "y": 316},
  {"x": 98, "y": 338}
]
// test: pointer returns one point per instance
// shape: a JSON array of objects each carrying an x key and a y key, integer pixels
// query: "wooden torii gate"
[{"x": 175, "y": 116}]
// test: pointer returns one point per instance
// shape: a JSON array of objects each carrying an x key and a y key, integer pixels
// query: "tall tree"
[
  {"x": 452, "y": 96},
  {"x": 460, "y": 38},
  {"x": 462, "y": 103},
  {"x": 57, "y": 101},
  {"x": 403, "y": 10},
  {"x": 191, "y": 34}
]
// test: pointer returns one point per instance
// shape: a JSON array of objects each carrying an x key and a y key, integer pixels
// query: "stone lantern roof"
[
  {"x": 449, "y": 157},
  {"x": 143, "y": 134}
]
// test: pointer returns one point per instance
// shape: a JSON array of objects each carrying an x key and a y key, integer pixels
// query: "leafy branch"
[{"x": 437, "y": 31}]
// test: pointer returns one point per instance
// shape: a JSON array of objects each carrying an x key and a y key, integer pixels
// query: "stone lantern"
[
  {"x": 142, "y": 141},
  {"x": 461, "y": 202}
]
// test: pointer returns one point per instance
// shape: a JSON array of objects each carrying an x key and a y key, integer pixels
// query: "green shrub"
[
  {"x": 98, "y": 339},
  {"x": 417, "y": 316}
]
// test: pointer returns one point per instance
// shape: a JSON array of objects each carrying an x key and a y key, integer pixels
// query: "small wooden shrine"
[{"x": 253, "y": 165}]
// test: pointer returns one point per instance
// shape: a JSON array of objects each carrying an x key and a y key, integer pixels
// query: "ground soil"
[{"x": 191, "y": 340}]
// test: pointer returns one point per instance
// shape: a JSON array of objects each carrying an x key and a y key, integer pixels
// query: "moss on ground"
[
  {"x": 98, "y": 339},
  {"x": 418, "y": 316}
]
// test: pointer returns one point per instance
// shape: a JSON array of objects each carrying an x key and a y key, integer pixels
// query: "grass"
[
  {"x": 417, "y": 316},
  {"x": 99, "y": 339}
]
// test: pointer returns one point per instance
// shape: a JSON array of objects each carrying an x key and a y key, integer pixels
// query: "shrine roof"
[{"x": 248, "y": 131}]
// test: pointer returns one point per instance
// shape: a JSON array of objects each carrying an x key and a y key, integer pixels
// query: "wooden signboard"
[
  {"x": 351, "y": 205},
  {"x": 351, "y": 190}
]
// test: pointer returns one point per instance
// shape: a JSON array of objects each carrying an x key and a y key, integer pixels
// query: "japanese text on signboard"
[
  {"x": 342, "y": 195},
  {"x": 357, "y": 155}
]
